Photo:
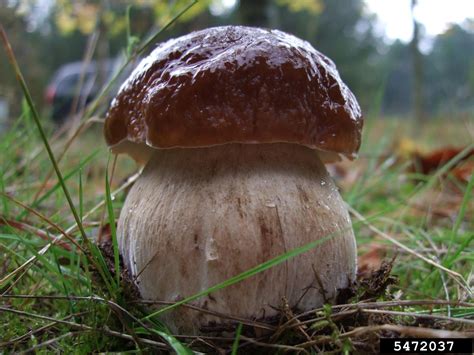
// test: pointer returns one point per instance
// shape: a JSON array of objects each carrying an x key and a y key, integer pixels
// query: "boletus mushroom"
[{"x": 234, "y": 124}]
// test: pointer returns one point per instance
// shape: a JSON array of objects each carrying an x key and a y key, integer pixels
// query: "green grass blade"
[
  {"x": 235, "y": 344},
  {"x": 447, "y": 167},
  {"x": 132, "y": 41},
  {"x": 463, "y": 209},
  {"x": 81, "y": 195},
  {"x": 63, "y": 280},
  {"x": 113, "y": 232},
  {"x": 2, "y": 190},
  {"x": 42, "y": 133},
  {"x": 66, "y": 177},
  {"x": 175, "y": 344},
  {"x": 35, "y": 115},
  {"x": 153, "y": 38}
]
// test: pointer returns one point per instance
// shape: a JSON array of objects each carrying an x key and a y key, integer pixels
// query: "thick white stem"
[{"x": 197, "y": 217}]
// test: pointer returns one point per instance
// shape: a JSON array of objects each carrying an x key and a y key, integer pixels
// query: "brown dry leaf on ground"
[
  {"x": 371, "y": 260},
  {"x": 430, "y": 162},
  {"x": 442, "y": 202},
  {"x": 425, "y": 160},
  {"x": 463, "y": 172}
]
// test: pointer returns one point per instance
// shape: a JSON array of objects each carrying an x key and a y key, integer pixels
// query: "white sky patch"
[
  {"x": 435, "y": 15},
  {"x": 222, "y": 7}
]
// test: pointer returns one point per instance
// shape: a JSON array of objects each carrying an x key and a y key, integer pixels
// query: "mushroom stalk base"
[{"x": 197, "y": 217}]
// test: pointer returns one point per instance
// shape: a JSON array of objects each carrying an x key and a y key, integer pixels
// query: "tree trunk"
[{"x": 417, "y": 89}]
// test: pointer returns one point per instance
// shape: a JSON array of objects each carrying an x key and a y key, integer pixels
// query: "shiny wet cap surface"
[{"x": 235, "y": 85}]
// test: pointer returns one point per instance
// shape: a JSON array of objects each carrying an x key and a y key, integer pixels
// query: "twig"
[
  {"x": 114, "y": 306},
  {"x": 334, "y": 316},
  {"x": 84, "y": 327},
  {"x": 441, "y": 273},
  {"x": 14, "y": 283},
  {"x": 418, "y": 332},
  {"x": 384, "y": 304},
  {"x": 40, "y": 329},
  {"x": 49, "y": 341},
  {"x": 45, "y": 219},
  {"x": 296, "y": 323},
  {"x": 400, "y": 303},
  {"x": 38, "y": 316},
  {"x": 99, "y": 299},
  {"x": 456, "y": 276},
  {"x": 418, "y": 315},
  {"x": 214, "y": 313},
  {"x": 275, "y": 346}
]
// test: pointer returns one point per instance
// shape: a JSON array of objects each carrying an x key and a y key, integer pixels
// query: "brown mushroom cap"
[{"x": 235, "y": 85}]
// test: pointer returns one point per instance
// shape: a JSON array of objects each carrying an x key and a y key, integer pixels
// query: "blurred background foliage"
[{"x": 46, "y": 34}]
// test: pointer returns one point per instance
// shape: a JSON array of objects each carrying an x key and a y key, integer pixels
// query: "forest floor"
[{"x": 410, "y": 200}]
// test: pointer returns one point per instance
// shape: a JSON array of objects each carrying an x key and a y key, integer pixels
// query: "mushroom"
[{"x": 234, "y": 124}]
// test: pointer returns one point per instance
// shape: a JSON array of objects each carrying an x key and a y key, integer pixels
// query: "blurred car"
[{"x": 75, "y": 84}]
